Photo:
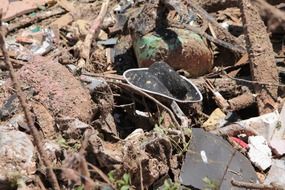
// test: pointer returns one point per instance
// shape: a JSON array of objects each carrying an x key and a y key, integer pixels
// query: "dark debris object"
[
  {"x": 162, "y": 80},
  {"x": 212, "y": 162},
  {"x": 9, "y": 107}
]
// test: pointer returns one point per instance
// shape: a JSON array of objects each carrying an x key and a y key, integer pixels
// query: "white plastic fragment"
[
  {"x": 142, "y": 114},
  {"x": 46, "y": 45},
  {"x": 259, "y": 152},
  {"x": 204, "y": 156},
  {"x": 225, "y": 25},
  {"x": 265, "y": 125}
]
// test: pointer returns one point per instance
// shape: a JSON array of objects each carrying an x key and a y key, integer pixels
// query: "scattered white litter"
[{"x": 259, "y": 152}]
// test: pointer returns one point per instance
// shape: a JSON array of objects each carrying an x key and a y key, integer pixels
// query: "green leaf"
[
  {"x": 121, "y": 182},
  {"x": 126, "y": 178},
  {"x": 158, "y": 129},
  {"x": 125, "y": 187},
  {"x": 210, "y": 184},
  {"x": 111, "y": 176},
  {"x": 187, "y": 132},
  {"x": 62, "y": 143},
  {"x": 81, "y": 187},
  {"x": 161, "y": 120}
]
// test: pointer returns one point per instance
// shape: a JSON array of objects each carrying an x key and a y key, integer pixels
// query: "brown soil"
[{"x": 55, "y": 88}]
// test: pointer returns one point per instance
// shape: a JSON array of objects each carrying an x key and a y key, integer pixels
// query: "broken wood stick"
[
  {"x": 22, "y": 99},
  {"x": 261, "y": 57},
  {"x": 93, "y": 33},
  {"x": 242, "y": 61},
  {"x": 248, "y": 185},
  {"x": 234, "y": 104},
  {"x": 233, "y": 130},
  {"x": 219, "y": 99},
  {"x": 34, "y": 19},
  {"x": 68, "y": 17},
  {"x": 240, "y": 102}
]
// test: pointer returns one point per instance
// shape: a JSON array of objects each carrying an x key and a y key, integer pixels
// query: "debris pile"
[{"x": 127, "y": 94}]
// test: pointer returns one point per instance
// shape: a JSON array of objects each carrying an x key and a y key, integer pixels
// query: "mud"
[{"x": 55, "y": 88}]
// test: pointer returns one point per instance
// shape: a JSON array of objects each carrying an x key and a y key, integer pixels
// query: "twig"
[
  {"x": 84, "y": 142},
  {"x": 212, "y": 30},
  {"x": 31, "y": 20},
  {"x": 254, "y": 185},
  {"x": 109, "y": 76},
  {"x": 102, "y": 175},
  {"x": 220, "y": 100},
  {"x": 94, "y": 32},
  {"x": 141, "y": 173},
  {"x": 221, "y": 84},
  {"x": 254, "y": 82},
  {"x": 138, "y": 91},
  {"x": 71, "y": 174},
  {"x": 85, "y": 172},
  {"x": 37, "y": 140},
  {"x": 40, "y": 183}
]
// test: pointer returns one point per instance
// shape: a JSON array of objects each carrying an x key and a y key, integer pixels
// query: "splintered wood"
[{"x": 261, "y": 57}]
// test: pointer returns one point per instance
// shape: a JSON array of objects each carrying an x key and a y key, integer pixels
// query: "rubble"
[
  {"x": 216, "y": 120},
  {"x": 17, "y": 156},
  {"x": 159, "y": 94}
]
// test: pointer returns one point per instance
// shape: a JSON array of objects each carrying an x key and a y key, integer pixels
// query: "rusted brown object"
[
  {"x": 183, "y": 50},
  {"x": 241, "y": 102},
  {"x": 261, "y": 57}
]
